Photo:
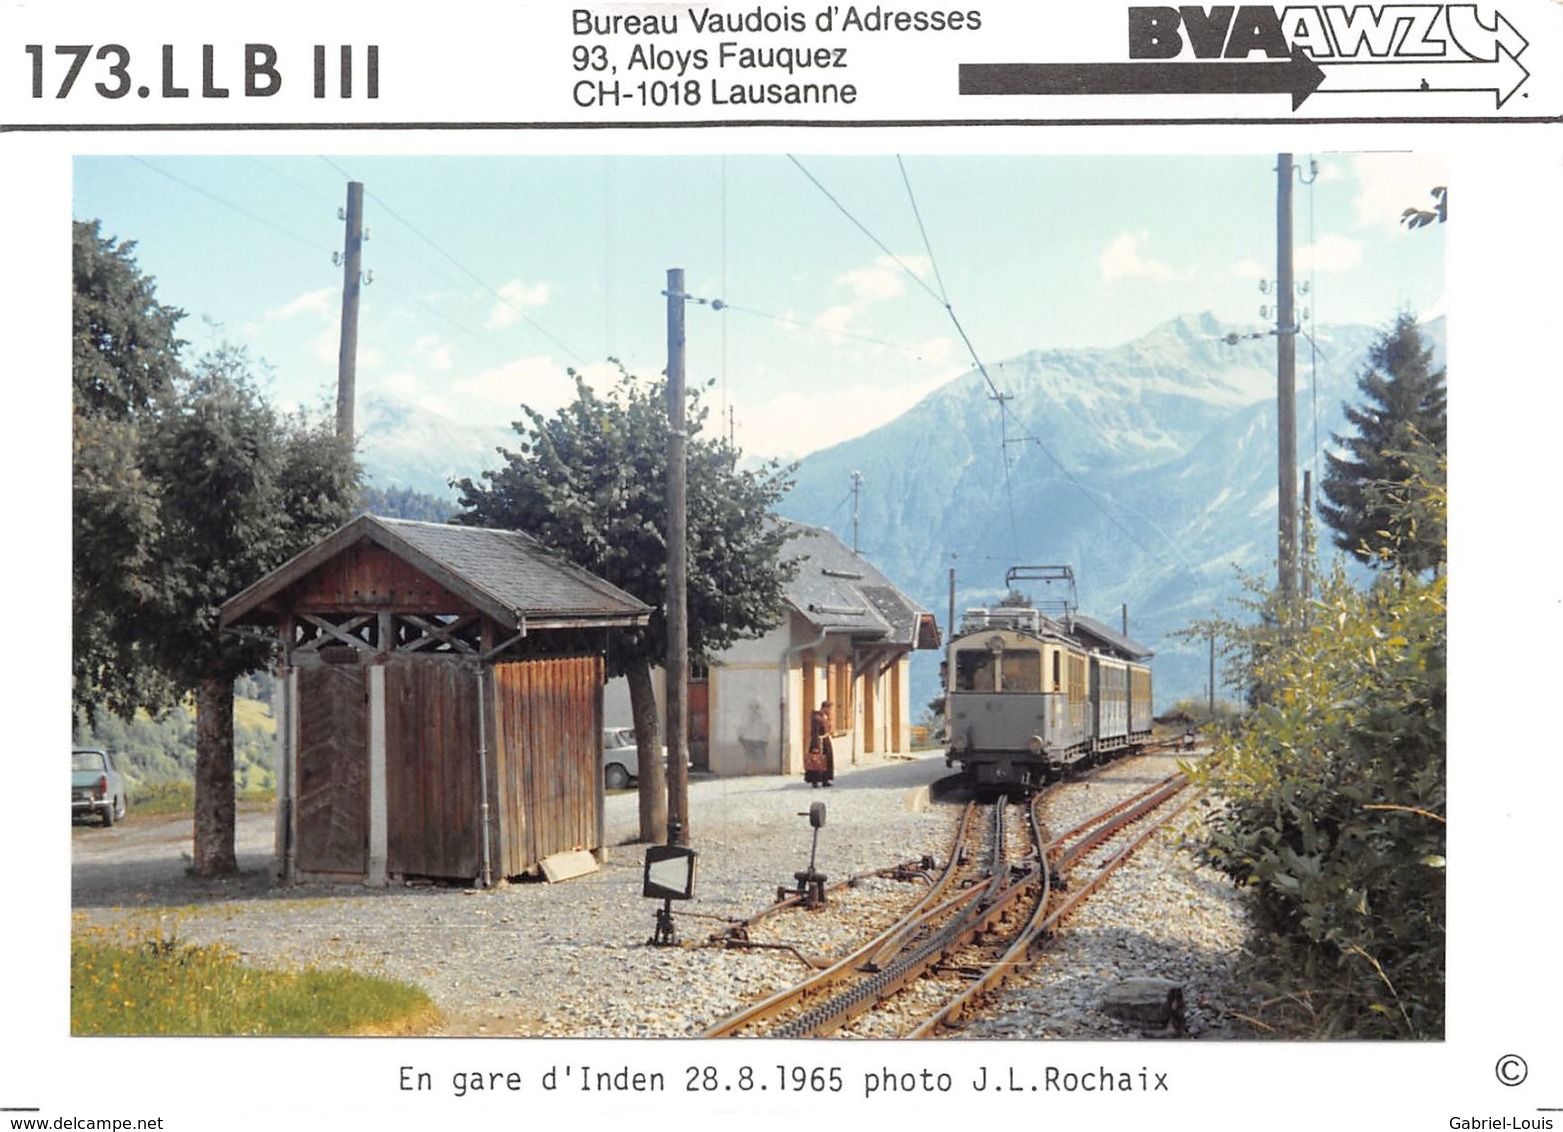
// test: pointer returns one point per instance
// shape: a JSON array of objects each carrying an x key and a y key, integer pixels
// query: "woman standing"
[{"x": 819, "y": 765}]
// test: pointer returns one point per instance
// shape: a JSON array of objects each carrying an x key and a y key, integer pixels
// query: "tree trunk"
[
  {"x": 648, "y": 746},
  {"x": 214, "y": 786}
]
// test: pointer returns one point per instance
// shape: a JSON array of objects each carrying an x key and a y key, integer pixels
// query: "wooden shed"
[{"x": 441, "y": 702}]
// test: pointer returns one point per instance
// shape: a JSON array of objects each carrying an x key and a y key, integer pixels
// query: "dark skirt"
[{"x": 819, "y": 764}]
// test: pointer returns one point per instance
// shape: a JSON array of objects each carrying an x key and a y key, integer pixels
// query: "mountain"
[
  {"x": 402, "y": 446},
  {"x": 1148, "y": 467}
]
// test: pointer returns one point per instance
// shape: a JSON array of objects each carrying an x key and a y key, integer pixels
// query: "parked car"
[
  {"x": 96, "y": 786},
  {"x": 620, "y": 758}
]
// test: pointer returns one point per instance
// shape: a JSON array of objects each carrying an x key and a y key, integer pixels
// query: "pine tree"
[{"x": 1401, "y": 438}]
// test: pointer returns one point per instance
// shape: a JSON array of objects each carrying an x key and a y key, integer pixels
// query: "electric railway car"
[{"x": 1028, "y": 695}]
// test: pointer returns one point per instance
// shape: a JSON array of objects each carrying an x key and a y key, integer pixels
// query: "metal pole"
[
  {"x": 677, "y": 667},
  {"x": 952, "y": 604},
  {"x": 352, "y": 264},
  {"x": 1286, "y": 379},
  {"x": 857, "y": 486},
  {"x": 1307, "y": 535}
]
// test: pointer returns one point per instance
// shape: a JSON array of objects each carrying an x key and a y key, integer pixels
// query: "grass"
[
  {"x": 179, "y": 797},
  {"x": 129, "y": 981}
]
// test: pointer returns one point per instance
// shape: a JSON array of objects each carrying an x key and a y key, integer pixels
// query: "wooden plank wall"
[
  {"x": 431, "y": 769},
  {"x": 369, "y": 577},
  {"x": 333, "y": 770},
  {"x": 548, "y": 759}
]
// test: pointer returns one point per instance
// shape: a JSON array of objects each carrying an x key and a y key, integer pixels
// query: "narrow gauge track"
[{"x": 995, "y": 901}]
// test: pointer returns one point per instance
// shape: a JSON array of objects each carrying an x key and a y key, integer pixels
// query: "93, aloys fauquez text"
[
  {"x": 833, "y": 17},
  {"x": 650, "y": 57}
]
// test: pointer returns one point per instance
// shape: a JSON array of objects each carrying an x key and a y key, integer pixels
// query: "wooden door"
[
  {"x": 433, "y": 796},
  {"x": 333, "y": 770},
  {"x": 699, "y": 723}
]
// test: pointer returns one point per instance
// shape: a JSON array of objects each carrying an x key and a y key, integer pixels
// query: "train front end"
[{"x": 1016, "y": 708}]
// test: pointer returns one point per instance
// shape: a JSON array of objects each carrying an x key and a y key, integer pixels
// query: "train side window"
[
  {"x": 1058, "y": 682},
  {"x": 974, "y": 671},
  {"x": 1022, "y": 671}
]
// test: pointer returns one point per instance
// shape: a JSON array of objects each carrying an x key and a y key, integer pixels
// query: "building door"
[
  {"x": 333, "y": 770},
  {"x": 870, "y": 712},
  {"x": 806, "y": 708},
  {"x": 433, "y": 798},
  {"x": 700, "y": 723},
  {"x": 893, "y": 704}
]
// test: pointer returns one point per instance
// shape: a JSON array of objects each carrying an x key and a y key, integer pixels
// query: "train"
[{"x": 1035, "y": 689}]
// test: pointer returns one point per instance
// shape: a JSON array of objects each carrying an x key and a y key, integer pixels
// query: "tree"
[
  {"x": 1402, "y": 429},
  {"x": 1333, "y": 793},
  {"x": 1421, "y": 217},
  {"x": 240, "y": 489},
  {"x": 1332, "y": 813},
  {"x": 124, "y": 352},
  {"x": 124, "y": 359},
  {"x": 186, "y": 487},
  {"x": 591, "y": 483}
]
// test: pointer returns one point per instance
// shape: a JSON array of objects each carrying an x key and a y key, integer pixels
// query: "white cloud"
[
  {"x": 794, "y": 422},
  {"x": 880, "y": 281},
  {"x": 885, "y": 278},
  {"x": 326, "y": 301},
  {"x": 1124, "y": 259},
  {"x": 515, "y": 298},
  {"x": 435, "y": 352},
  {"x": 1332, "y": 253},
  {"x": 836, "y": 320},
  {"x": 1390, "y": 183},
  {"x": 538, "y": 381}
]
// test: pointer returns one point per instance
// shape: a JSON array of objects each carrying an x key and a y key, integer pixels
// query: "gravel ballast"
[{"x": 571, "y": 959}]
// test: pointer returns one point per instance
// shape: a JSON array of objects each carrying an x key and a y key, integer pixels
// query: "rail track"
[{"x": 986, "y": 916}]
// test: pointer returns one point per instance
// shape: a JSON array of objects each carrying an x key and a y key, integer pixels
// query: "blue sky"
[{"x": 492, "y": 275}]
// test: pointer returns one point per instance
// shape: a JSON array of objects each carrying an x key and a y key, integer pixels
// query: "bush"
[{"x": 1334, "y": 794}]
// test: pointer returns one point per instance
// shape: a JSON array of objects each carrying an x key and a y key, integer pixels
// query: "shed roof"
[
  {"x": 838, "y": 590},
  {"x": 1124, "y": 646},
  {"x": 508, "y": 575}
]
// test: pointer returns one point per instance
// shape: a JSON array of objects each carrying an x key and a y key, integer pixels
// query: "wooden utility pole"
[
  {"x": 677, "y": 667},
  {"x": 1212, "y": 675},
  {"x": 352, "y": 284},
  {"x": 1286, "y": 380}
]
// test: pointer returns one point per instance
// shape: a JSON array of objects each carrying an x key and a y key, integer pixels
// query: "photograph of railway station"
[{"x": 947, "y": 596}]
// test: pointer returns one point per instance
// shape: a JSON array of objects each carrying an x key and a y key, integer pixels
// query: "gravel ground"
[{"x": 570, "y": 959}]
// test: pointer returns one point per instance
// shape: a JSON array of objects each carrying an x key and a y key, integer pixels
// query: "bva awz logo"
[
  {"x": 1299, "y": 50},
  {"x": 1361, "y": 49}
]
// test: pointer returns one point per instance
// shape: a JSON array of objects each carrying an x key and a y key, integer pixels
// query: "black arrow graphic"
[{"x": 1298, "y": 76}]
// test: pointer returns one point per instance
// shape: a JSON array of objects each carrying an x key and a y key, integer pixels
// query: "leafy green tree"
[
  {"x": 124, "y": 359},
  {"x": 591, "y": 482},
  {"x": 1414, "y": 218},
  {"x": 405, "y": 503},
  {"x": 1401, "y": 435},
  {"x": 124, "y": 350},
  {"x": 1333, "y": 796},
  {"x": 186, "y": 487},
  {"x": 240, "y": 490}
]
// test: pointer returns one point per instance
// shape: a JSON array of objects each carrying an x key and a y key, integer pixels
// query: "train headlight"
[{"x": 1034, "y": 744}]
